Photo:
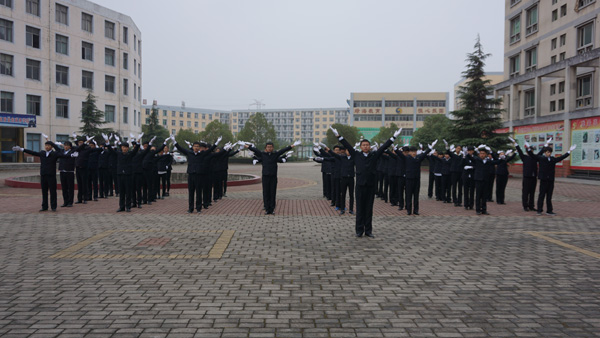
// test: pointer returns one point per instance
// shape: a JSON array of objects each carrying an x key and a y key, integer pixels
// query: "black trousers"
[
  {"x": 446, "y": 185},
  {"x": 386, "y": 185},
  {"x": 546, "y": 190},
  {"x": 501, "y": 181},
  {"x": 413, "y": 187},
  {"x": 49, "y": 183},
  {"x": 126, "y": 188},
  {"x": 82, "y": 184},
  {"x": 194, "y": 189},
  {"x": 219, "y": 183},
  {"x": 528, "y": 194},
  {"x": 149, "y": 178},
  {"x": 207, "y": 184},
  {"x": 139, "y": 193},
  {"x": 431, "y": 184},
  {"x": 481, "y": 195},
  {"x": 438, "y": 188},
  {"x": 393, "y": 189},
  {"x": 104, "y": 178},
  {"x": 347, "y": 184},
  {"x": 380, "y": 179},
  {"x": 163, "y": 178},
  {"x": 269, "y": 183},
  {"x": 92, "y": 183},
  {"x": 225, "y": 183},
  {"x": 67, "y": 182},
  {"x": 401, "y": 191},
  {"x": 168, "y": 180},
  {"x": 335, "y": 191},
  {"x": 114, "y": 181},
  {"x": 490, "y": 188},
  {"x": 456, "y": 187},
  {"x": 469, "y": 186},
  {"x": 365, "y": 197}
]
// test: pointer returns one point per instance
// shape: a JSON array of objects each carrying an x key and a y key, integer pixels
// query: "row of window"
[
  {"x": 290, "y": 114},
  {"x": 406, "y": 103},
  {"x": 34, "y": 107},
  {"x": 583, "y": 97},
  {"x": 61, "y": 16},
  {"x": 174, "y": 123}
]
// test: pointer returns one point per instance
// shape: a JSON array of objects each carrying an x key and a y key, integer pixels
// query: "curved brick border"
[{"x": 14, "y": 182}]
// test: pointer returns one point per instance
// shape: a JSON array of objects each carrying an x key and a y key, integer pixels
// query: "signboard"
[
  {"x": 585, "y": 133},
  {"x": 537, "y": 134},
  {"x": 17, "y": 120}
]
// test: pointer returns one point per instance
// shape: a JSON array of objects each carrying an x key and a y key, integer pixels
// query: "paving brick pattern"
[{"x": 301, "y": 273}]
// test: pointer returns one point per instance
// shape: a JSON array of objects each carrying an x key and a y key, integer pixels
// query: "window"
[
  {"x": 62, "y": 108},
  {"x": 195, "y": 115},
  {"x": 563, "y": 40},
  {"x": 530, "y": 60},
  {"x": 87, "y": 80},
  {"x": 515, "y": 29},
  {"x": 172, "y": 114},
  {"x": 33, "y": 142},
  {"x": 32, "y": 37},
  {"x": 552, "y": 89},
  {"x": 33, "y": 69},
  {"x": 515, "y": 65},
  {"x": 196, "y": 124},
  {"x": 134, "y": 42},
  {"x": 135, "y": 91},
  {"x": 87, "y": 22},
  {"x": 164, "y": 112},
  {"x": 139, "y": 47},
  {"x": 554, "y": 2},
  {"x": 6, "y": 64},
  {"x": 109, "y": 83},
  {"x": 553, "y": 44},
  {"x": 554, "y": 15},
  {"x": 6, "y": 102},
  {"x": 6, "y": 3},
  {"x": 562, "y": 56},
  {"x": 32, "y": 7},
  {"x": 514, "y": 2},
  {"x": 585, "y": 41},
  {"x": 561, "y": 104},
  {"x": 552, "y": 106},
  {"x": 6, "y": 30},
  {"x": 553, "y": 59},
  {"x": 62, "y": 14},
  {"x": 109, "y": 56},
  {"x": 62, "y": 138},
  {"x": 109, "y": 29},
  {"x": 173, "y": 131},
  {"x": 189, "y": 115},
  {"x": 561, "y": 87},
  {"x": 173, "y": 123},
  {"x": 532, "y": 20},
  {"x": 181, "y": 123},
  {"x": 189, "y": 124},
  {"x": 181, "y": 114},
  {"x": 125, "y": 35},
  {"x": 125, "y": 61},
  {"x": 530, "y": 103},
  {"x": 563, "y": 10},
  {"x": 87, "y": 51},
  {"x": 62, "y": 75},
  {"x": 125, "y": 115},
  {"x": 585, "y": 3},
  {"x": 62, "y": 44},
  {"x": 125, "y": 87},
  {"x": 134, "y": 67},
  {"x": 109, "y": 113},
  {"x": 34, "y": 105},
  {"x": 164, "y": 122},
  {"x": 147, "y": 111},
  {"x": 584, "y": 91},
  {"x": 203, "y": 124}
]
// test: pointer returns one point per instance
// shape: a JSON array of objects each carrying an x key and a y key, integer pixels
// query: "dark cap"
[
  {"x": 470, "y": 148},
  {"x": 405, "y": 148},
  {"x": 124, "y": 144}
]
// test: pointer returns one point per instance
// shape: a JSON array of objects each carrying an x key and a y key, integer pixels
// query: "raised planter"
[{"x": 178, "y": 181}]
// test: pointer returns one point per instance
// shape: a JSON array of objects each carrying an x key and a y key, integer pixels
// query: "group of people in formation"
[
  {"x": 133, "y": 173},
  {"x": 393, "y": 174}
]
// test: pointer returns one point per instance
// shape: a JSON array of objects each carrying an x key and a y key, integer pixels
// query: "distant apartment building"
[
  {"x": 370, "y": 111},
  {"x": 51, "y": 54},
  {"x": 551, "y": 59},
  {"x": 175, "y": 118},
  {"x": 493, "y": 77}
]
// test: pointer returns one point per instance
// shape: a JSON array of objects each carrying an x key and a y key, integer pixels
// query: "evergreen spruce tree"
[
  {"x": 153, "y": 128},
  {"x": 480, "y": 115},
  {"x": 92, "y": 118}
]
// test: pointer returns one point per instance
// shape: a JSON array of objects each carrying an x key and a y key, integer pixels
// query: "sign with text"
[
  {"x": 537, "y": 135},
  {"x": 585, "y": 133},
  {"x": 17, "y": 120}
]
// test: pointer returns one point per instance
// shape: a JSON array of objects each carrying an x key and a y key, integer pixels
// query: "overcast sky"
[{"x": 223, "y": 54}]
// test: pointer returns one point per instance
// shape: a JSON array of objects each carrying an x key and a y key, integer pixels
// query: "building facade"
[
  {"x": 493, "y": 77},
  {"x": 551, "y": 59},
  {"x": 52, "y": 52},
  {"x": 176, "y": 118},
  {"x": 370, "y": 111}
]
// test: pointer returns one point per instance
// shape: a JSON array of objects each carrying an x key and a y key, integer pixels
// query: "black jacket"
[
  {"x": 47, "y": 161},
  {"x": 163, "y": 161},
  {"x": 125, "y": 161},
  {"x": 530, "y": 164},
  {"x": 413, "y": 164},
  {"x": 269, "y": 160},
  {"x": 148, "y": 161},
  {"x": 548, "y": 166},
  {"x": 456, "y": 163},
  {"x": 138, "y": 159},
  {"x": 502, "y": 166},
  {"x": 198, "y": 163},
  {"x": 84, "y": 151},
  {"x": 366, "y": 164},
  {"x": 103, "y": 159},
  {"x": 399, "y": 163},
  {"x": 346, "y": 165},
  {"x": 94, "y": 158},
  {"x": 66, "y": 162},
  {"x": 468, "y": 161},
  {"x": 337, "y": 164},
  {"x": 483, "y": 170}
]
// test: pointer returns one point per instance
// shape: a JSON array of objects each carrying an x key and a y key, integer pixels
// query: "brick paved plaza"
[{"x": 233, "y": 272}]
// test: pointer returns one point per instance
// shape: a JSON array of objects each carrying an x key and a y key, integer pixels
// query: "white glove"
[
  {"x": 419, "y": 152},
  {"x": 289, "y": 153},
  {"x": 17, "y": 148},
  {"x": 452, "y": 148},
  {"x": 140, "y": 136},
  {"x": 227, "y": 146},
  {"x": 218, "y": 140},
  {"x": 241, "y": 148},
  {"x": 509, "y": 152},
  {"x": 548, "y": 142},
  {"x": 468, "y": 167},
  {"x": 188, "y": 143},
  {"x": 88, "y": 138},
  {"x": 105, "y": 137},
  {"x": 395, "y": 147},
  {"x": 45, "y": 136},
  {"x": 420, "y": 146},
  {"x": 445, "y": 142},
  {"x": 316, "y": 144},
  {"x": 322, "y": 145},
  {"x": 335, "y": 132},
  {"x": 297, "y": 143},
  {"x": 527, "y": 144},
  {"x": 58, "y": 143},
  {"x": 167, "y": 139},
  {"x": 374, "y": 148},
  {"x": 357, "y": 144},
  {"x": 95, "y": 142},
  {"x": 572, "y": 148},
  {"x": 283, "y": 160},
  {"x": 512, "y": 140},
  {"x": 75, "y": 154},
  {"x": 254, "y": 162},
  {"x": 432, "y": 145},
  {"x": 131, "y": 136},
  {"x": 117, "y": 138},
  {"x": 74, "y": 135},
  {"x": 318, "y": 159},
  {"x": 316, "y": 149},
  {"x": 152, "y": 140},
  {"x": 488, "y": 149},
  {"x": 116, "y": 143},
  {"x": 397, "y": 133}
]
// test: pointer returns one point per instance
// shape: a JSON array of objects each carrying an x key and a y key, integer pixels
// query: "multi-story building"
[
  {"x": 305, "y": 124},
  {"x": 370, "y": 111},
  {"x": 493, "y": 77},
  {"x": 52, "y": 52},
  {"x": 176, "y": 118},
  {"x": 551, "y": 59}
]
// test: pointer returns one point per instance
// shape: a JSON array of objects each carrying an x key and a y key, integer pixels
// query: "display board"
[{"x": 585, "y": 133}]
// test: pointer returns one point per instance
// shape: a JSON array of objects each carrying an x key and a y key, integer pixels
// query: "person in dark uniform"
[
  {"x": 163, "y": 161},
  {"x": 269, "y": 159},
  {"x": 431, "y": 182},
  {"x": 437, "y": 172},
  {"x": 220, "y": 169},
  {"x": 502, "y": 174},
  {"x": 139, "y": 191},
  {"x": 226, "y": 175},
  {"x": 456, "y": 171},
  {"x": 546, "y": 176},
  {"x": 48, "y": 158},
  {"x": 125, "y": 173},
  {"x": 365, "y": 162},
  {"x": 66, "y": 167},
  {"x": 399, "y": 175},
  {"x": 468, "y": 177},
  {"x": 483, "y": 166},
  {"x": 413, "y": 176},
  {"x": 530, "y": 171},
  {"x": 92, "y": 185},
  {"x": 81, "y": 165},
  {"x": 103, "y": 172},
  {"x": 112, "y": 170}
]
